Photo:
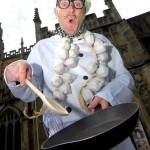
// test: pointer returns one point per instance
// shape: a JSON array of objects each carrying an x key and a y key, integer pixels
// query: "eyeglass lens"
[{"x": 78, "y": 4}]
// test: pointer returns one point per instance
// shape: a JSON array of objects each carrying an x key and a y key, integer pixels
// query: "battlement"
[{"x": 20, "y": 51}]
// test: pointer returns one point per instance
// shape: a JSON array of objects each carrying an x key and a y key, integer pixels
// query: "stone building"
[{"x": 130, "y": 36}]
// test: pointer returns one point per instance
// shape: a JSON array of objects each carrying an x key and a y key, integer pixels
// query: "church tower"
[
  {"x": 37, "y": 22},
  {"x": 1, "y": 49},
  {"x": 114, "y": 13}
]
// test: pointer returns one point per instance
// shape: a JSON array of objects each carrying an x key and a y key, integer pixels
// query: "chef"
[{"x": 81, "y": 70}]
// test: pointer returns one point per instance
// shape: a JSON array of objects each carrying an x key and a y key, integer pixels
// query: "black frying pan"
[{"x": 103, "y": 129}]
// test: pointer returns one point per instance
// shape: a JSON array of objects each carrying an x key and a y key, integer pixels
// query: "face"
[{"x": 70, "y": 19}]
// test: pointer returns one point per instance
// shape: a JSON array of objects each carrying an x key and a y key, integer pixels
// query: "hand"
[
  {"x": 98, "y": 103},
  {"x": 18, "y": 71}
]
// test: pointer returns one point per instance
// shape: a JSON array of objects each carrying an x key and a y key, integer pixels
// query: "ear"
[{"x": 56, "y": 12}]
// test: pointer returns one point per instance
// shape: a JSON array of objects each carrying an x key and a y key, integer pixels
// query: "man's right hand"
[{"x": 18, "y": 71}]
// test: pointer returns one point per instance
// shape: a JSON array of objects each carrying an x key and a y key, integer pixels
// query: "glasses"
[{"x": 63, "y": 4}]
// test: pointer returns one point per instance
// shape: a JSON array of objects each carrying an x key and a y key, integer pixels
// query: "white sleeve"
[{"x": 24, "y": 92}]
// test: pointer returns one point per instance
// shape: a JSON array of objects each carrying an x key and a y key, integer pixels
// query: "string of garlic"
[
  {"x": 98, "y": 70},
  {"x": 68, "y": 54}
]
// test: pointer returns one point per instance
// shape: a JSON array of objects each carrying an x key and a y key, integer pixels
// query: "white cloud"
[
  {"x": 130, "y": 8},
  {"x": 97, "y": 7},
  {"x": 16, "y": 19}
]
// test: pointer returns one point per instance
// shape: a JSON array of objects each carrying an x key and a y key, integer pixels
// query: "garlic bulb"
[
  {"x": 63, "y": 53},
  {"x": 68, "y": 77},
  {"x": 99, "y": 46},
  {"x": 102, "y": 71},
  {"x": 92, "y": 67},
  {"x": 73, "y": 53},
  {"x": 103, "y": 57},
  {"x": 65, "y": 44},
  {"x": 64, "y": 47},
  {"x": 89, "y": 38},
  {"x": 74, "y": 47},
  {"x": 87, "y": 95},
  {"x": 59, "y": 69},
  {"x": 71, "y": 62},
  {"x": 59, "y": 95},
  {"x": 57, "y": 81},
  {"x": 65, "y": 88},
  {"x": 65, "y": 39},
  {"x": 95, "y": 84}
]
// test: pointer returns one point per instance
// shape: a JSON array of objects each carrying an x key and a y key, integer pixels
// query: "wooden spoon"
[{"x": 51, "y": 104}]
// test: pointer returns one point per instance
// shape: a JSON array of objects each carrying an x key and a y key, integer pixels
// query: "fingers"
[
  {"x": 98, "y": 103},
  {"x": 104, "y": 104},
  {"x": 11, "y": 73},
  {"x": 29, "y": 73},
  {"x": 23, "y": 72},
  {"x": 18, "y": 71}
]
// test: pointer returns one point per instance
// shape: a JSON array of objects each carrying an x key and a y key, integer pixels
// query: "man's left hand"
[{"x": 98, "y": 103}]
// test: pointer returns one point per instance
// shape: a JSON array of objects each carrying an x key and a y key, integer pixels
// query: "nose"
[{"x": 71, "y": 7}]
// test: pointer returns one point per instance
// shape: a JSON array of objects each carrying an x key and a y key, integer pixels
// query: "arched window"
[{"x": 10, "y": 129}]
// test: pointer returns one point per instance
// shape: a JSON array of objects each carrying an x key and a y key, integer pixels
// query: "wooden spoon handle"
[
  {"x": 37, "y": 91},
  {"x": 51, "y": 104}
]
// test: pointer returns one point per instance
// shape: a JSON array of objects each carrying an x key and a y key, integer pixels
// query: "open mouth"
[{"x": 71, "y": 21}]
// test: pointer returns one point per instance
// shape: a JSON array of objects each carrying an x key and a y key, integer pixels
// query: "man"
[{"x": 80, "y": 70}]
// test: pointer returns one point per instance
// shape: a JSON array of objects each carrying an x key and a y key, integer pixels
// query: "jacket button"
[
  {"x": 80, "y": 55},
  {"x": 69, "y": 109},
  {"x": 85, "y": 77}
]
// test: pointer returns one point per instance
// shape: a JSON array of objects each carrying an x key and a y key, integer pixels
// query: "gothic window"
[{"x": 10, "y": 129}]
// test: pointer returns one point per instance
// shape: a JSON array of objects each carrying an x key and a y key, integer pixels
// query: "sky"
[{"x": 17, "y": 16}]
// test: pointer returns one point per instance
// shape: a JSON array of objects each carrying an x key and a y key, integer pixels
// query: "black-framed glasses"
[{"x": 63, "y": 4}]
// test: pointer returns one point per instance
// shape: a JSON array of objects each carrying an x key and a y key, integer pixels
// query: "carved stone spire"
[
  {"x": 37, "y": 22},
  {"x": 1, "y": 32},
  {"x": 1, "y": 40},
  {"x": 22, "y": 48},
  {"x": 22, "y": 43},
  {"x": 36, "y": 16}
]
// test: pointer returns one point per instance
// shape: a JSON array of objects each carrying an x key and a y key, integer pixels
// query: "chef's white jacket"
[{"x": 43, "y": 58}]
